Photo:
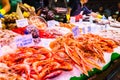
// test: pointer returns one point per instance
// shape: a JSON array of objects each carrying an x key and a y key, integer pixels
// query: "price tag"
[
  {"x": 86, "y": 30},
  {"x": 24, "y": 41},
  {"x": 76, "y": 31},
  {"x": 89, "y": 29},
  {"x": 0, "y": 24},
  {"x": 72, "y": 19},
  {"x": 53, "y": 23},
  {"x": 22, "y": 22},
  {"x": 83, "y": 30}
]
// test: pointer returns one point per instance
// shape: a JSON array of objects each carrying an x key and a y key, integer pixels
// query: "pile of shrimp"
[
  {"x": 6, "y": 73},
  {"x": 85, "y": 51},
  {"x": 33, "y": 63}
]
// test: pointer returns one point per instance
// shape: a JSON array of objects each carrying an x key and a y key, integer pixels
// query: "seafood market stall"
[{"x": 36, "y": 49}]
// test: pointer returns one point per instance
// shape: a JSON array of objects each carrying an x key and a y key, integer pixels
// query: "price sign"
[
  {"x": 24, "y": 41},
  {"x": 22, "y": 22},
  {"x": 89, "y": 29},
  {"x": 72, "y": 19},
  {"x": 53, "y": 23},
  {"x": 76, "y": 31},
  {"x": 0, "y": 24},
  {"x": 86, "y": 29}
]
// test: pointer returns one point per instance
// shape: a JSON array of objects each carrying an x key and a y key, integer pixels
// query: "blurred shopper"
[
  {"x": 78, "y": 6},
  {"x": 8, "y": 6},
  {"x": 100, "y": 10},
  {"x": 4, "y": 6},
  {"x": 104, "y": 11},
  {"x": 13, "y": 4},
  {"x": 108, "y": 11},
  {"x": 118, "y": 12}
]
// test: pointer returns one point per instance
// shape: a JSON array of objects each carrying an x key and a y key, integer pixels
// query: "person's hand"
[
  {"x": 2, "y": 11},
  {"x": 94, "y": 14}
]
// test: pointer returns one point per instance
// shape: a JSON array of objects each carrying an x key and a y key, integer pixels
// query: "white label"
[
  {"x": 0, "y": 24},
  {"x": 22, "y": 22},
  {"x": 76, "y": 31},
  {"x": 45, "y": 42},
  {"x": 72, "y": 19},
  {"x": 24, "y": 41},
  {"x": 53, "y": 23}
]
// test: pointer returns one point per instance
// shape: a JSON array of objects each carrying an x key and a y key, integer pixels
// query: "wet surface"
[{"x": 112, "y": 73}]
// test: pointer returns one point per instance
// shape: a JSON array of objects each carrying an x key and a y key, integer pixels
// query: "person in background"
[
  {"x": 78, "y": 6},
  {"x": 13, "y": 4},
  {"x": 107, "y": 12},
  {"x": 4, "y": 6},
  {"x": 116, "y": 13},
  {"x": 8, "y": 6},
  {"x": 100, "y": 10}
]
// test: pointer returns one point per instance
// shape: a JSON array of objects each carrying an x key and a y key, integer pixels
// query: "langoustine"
[{"x": 86, "y": 51}]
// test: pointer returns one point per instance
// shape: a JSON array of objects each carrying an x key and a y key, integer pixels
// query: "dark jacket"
[{"x": 76, "y": 7}]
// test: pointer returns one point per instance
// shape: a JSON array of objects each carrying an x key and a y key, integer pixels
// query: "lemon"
[
  {"x": 99, "y": 16},
  {"x": 26, "y": 14}
]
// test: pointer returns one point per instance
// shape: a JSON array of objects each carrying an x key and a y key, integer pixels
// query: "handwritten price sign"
[
  {"x": 24, "y": 41},
  {"x": 76, "y": 31},
  {"x": 72, "y": 19},
  {"x": 22, "y": 22}
]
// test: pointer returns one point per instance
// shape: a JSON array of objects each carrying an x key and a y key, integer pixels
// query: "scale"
[{"x": 60, "y": 9}]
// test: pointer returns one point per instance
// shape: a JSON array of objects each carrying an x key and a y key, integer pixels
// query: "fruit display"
[
  {"x": 26, "y": 7},
  {"x": 9, "y": 21},
  {"x": 11, "y": 26},
  {"x": 27, "y": 10},
  {"x": 11, "y": 18}
]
